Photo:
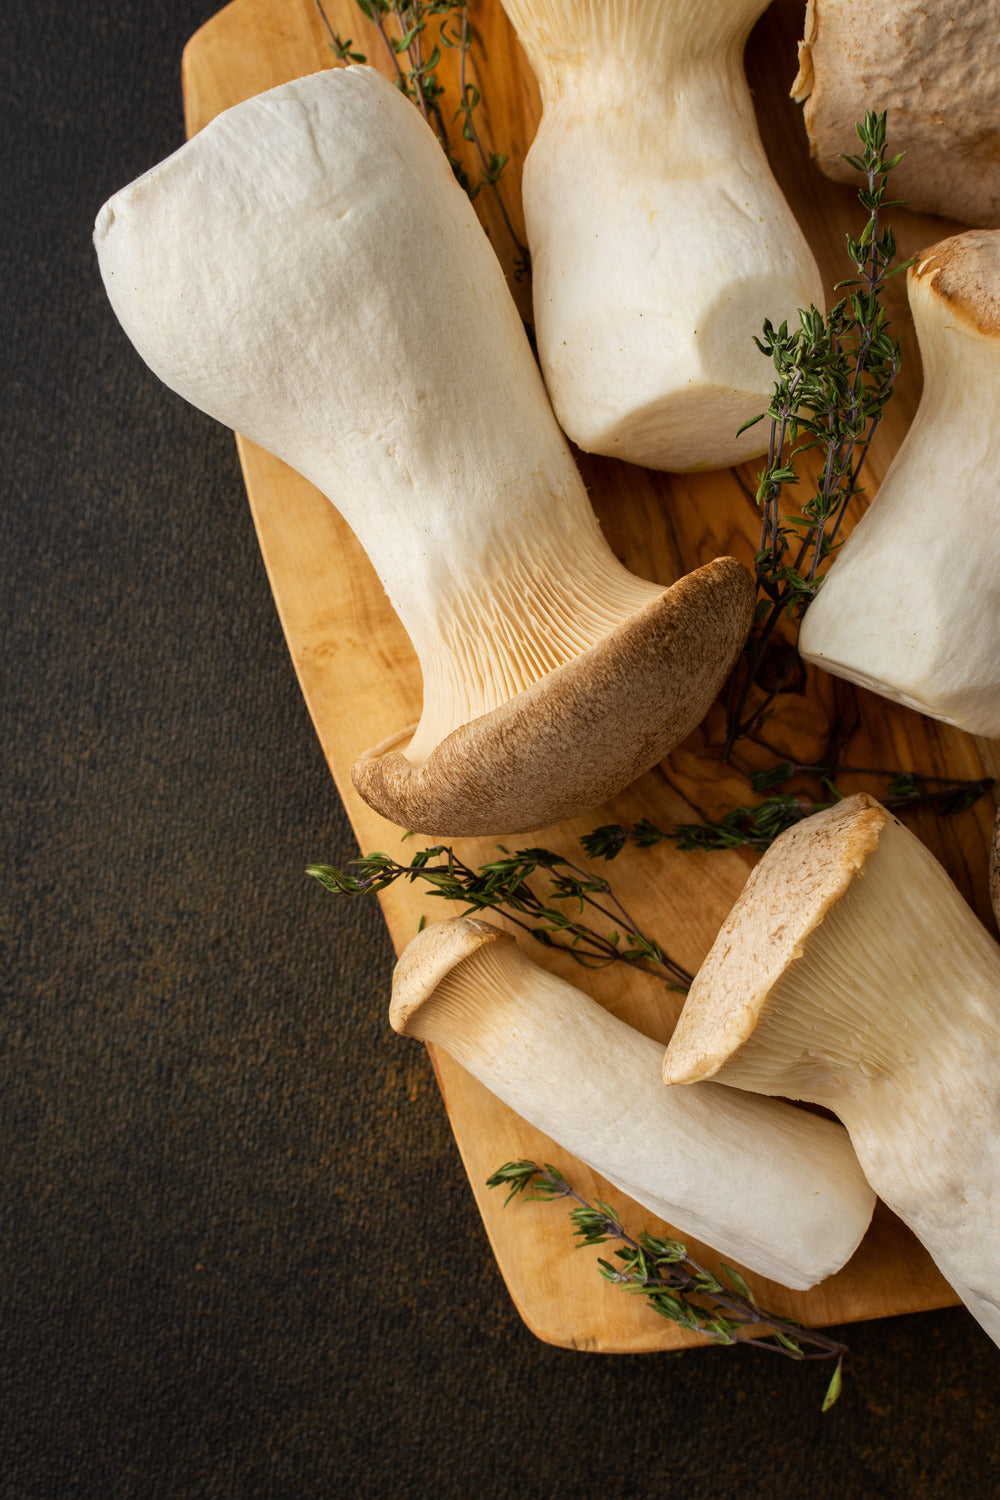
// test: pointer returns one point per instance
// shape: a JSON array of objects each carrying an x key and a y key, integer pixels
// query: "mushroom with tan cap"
[
  {"x": 307, "y": 270},
  {"x": 911, "y": 606},
  {"x": 660, "y": 240},
  {"x": 851, "y": 973},
  {"x": 770, "y": 1185},
  {"x": 936, "y": 69}
]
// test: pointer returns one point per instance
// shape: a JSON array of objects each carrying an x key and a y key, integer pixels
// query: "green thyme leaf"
[
  {"x": 834, "y": 375},
  {"x": 834, "y": 1388},
  {"x": 674, "y": 1285}
]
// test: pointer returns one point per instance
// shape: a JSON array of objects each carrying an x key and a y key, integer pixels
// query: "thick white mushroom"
[
  {"x": 775, "y": 1188},
  {"x": 659, "y": 238},
  {"x": 911, "y": 606},
  {"x": 936, "y": 69},
  {"x": 307, "y": 271},
  {"x": 851, "y": 973}
]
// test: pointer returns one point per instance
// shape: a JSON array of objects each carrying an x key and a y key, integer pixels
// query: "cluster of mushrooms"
[{"x": 262, "y": 273}]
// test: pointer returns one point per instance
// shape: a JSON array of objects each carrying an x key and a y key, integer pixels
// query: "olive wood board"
[{"x": 361, "y": 683}]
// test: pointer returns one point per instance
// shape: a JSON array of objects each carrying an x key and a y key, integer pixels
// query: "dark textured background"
[{"x": 238, "y": 1257}]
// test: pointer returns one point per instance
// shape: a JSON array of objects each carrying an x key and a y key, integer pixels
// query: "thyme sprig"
[
  {"x": 835, "y": 375},
  {"x": 756, "y": 827},
  {"x": 415, "y": 34},
  {"x": 723, "y": 1308},
  {"x": 503, "y": 885},
  {"x": 554, "y": 916}
]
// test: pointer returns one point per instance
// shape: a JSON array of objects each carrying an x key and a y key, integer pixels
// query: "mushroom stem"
[
  {"x": 264, "y": 272},
  {"x": 770, "y": 1185},
  {"x": 530, "y": 599},
  {"x": 850, "y": 973},
  {"x": 910, "y": 607},
  {"x": 660, "y": 241}
]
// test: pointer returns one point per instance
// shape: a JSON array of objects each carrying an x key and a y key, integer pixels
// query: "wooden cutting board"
[{"x": 361, "y": 682}]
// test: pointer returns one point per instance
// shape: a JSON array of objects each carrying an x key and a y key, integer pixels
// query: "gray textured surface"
[{"x": 238, "y": 1255}]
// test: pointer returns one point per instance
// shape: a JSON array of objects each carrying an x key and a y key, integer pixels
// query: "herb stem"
[
  {"x": 488, "y": 167},
  {"x": 756, "y": 827},
  {"x": 722, "y": 1307},
  {"x": 503, "y": 885},
  {"x": 835, "y": 374}
]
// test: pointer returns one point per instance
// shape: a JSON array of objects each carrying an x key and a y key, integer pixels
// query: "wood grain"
[{"x": 360, "y": 680}]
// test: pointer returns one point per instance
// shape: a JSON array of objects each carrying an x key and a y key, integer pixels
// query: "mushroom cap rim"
[
  {"x": 578, "y": 735},
  {"x": 720, "y": 1012},
  {"x": 962, "y": 274},
  {"x": 430, "y": 956}
]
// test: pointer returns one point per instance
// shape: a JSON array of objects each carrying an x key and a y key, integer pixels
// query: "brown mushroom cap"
[
  {"x": 964, "y": 272},
  {"x": 575, "y": 738},
  {"x": 805, "y": 872}
]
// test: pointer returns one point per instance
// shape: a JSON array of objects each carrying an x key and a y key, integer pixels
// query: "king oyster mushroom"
[
  {"x": 911, "y": 605},
  {"x": 307, "y": 270},
  {"x": 852, "y": 974},
  {"x": 660, "y": 240},
  {"x": 776, "y": 1188}
]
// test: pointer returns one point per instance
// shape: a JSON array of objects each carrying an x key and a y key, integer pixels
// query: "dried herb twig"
[{"x": 722, "y": 1308}]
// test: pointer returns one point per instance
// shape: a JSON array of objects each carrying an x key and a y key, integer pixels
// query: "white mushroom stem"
[
  {"x": 911, "y": 606},
  {"x": 659, "y": 238},
  {"x": 775, "y": 1188},
  {"x": 851, "y": 973},
  {"x": 307, "y": 270},
  {"x": 936, "y": 70}
]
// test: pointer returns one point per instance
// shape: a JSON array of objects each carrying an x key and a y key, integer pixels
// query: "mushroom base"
[
  {"x": 686, "y": 430},
  {"x": 972, "y": 716}
]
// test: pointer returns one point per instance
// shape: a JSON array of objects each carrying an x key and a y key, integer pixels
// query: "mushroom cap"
[
  {"x": 804, "y": 873},
  {"x": 428, "y": 957},
  {"x": 576, "y": 737},
  {"x": 963, "y": 273}
]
